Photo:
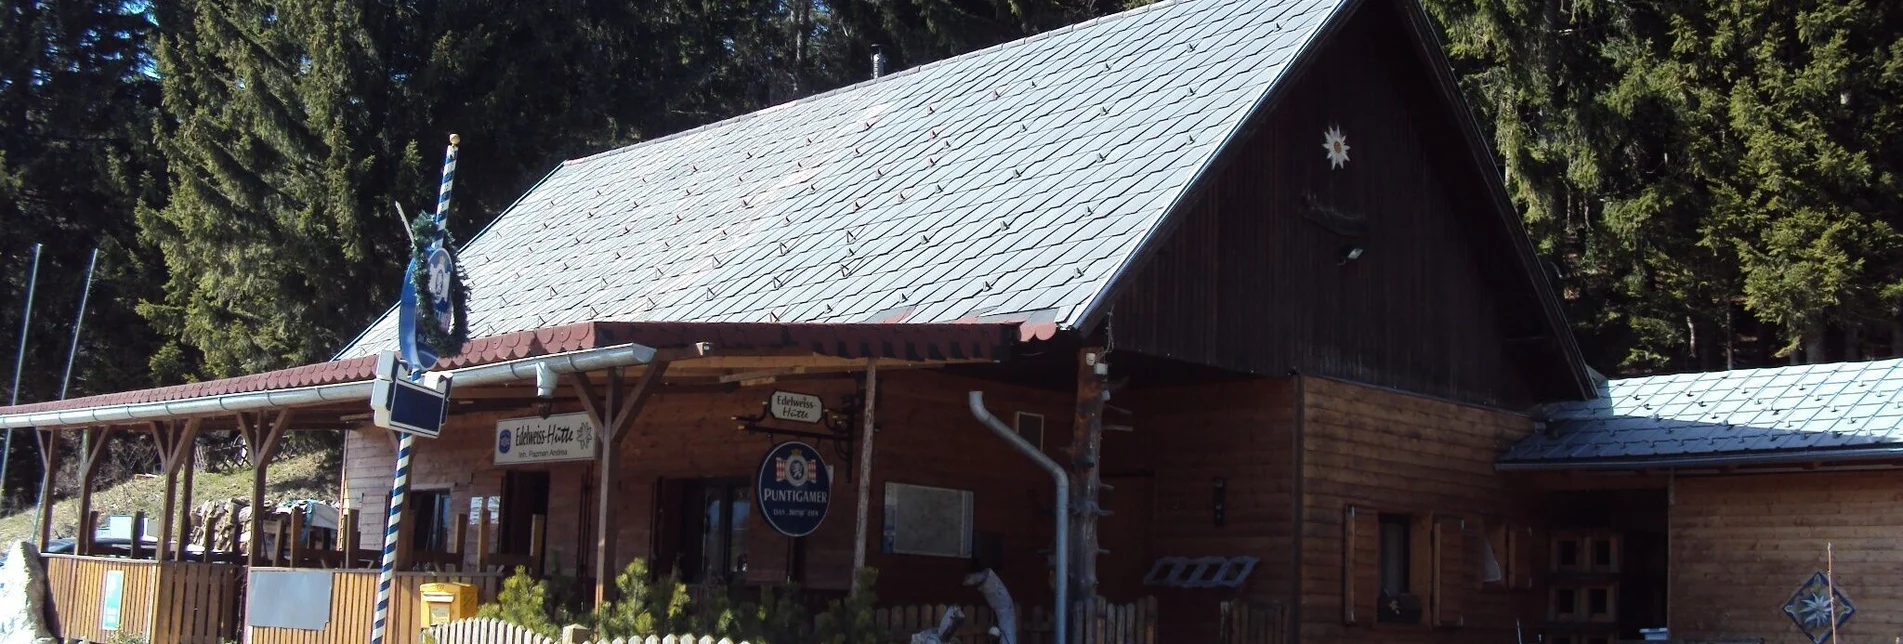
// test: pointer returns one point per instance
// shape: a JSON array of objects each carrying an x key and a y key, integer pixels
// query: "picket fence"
[
  {"x": 1133, "y": 623},
  {"x": 483, "y": 630}
]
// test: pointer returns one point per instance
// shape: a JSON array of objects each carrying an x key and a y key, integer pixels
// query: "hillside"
[{"x": 301, "y": 476}]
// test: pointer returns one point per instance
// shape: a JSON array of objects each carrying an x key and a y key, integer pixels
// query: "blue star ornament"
[{"x": 1813, "y": 605}]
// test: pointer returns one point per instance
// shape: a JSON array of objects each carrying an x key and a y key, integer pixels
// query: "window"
[
  {"x": 1406, "y": 568},
  {"x": 431, "y": 512},
  {"x": 921, "y": 520},
  {"x": 722, "y": 510},
  {"x": 1031, "y": 427},
  {"x": 1397, "y": 601}
]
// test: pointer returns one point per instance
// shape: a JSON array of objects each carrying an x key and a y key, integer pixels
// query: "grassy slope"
[{"x": 299, "y": 477}]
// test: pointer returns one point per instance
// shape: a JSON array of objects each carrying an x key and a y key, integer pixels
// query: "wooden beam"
[
  {"x": 1086, "y": 477},
  {"x": 627, "y": 406},
  {"x": 173, "y": 439},
  {"x": 261, "y": 443},
  {"x": 92, "y": 446},
  {"x": 868, "y": 409},
  {"x": 188, "y": 466},
  {"x": 49, "y": 471}
]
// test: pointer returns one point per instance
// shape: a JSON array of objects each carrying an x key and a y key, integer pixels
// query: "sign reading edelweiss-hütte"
[
  {"x": 561, "y": 437},
  {"x": 794, "y": 489},
  {"x": 799, "y": 408}
]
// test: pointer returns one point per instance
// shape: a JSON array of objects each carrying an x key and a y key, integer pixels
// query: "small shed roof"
[
  {"x": 1820, "y": 412},
  {"x": 1010, "y": 184}
]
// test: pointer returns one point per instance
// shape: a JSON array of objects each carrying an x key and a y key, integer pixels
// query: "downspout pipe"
[
  {"x": 1059, "y": 476},
  {"x": 626, "y": 355}
]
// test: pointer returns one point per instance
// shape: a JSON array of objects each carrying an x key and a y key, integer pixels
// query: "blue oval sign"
[{"x": 794, "y": 489}]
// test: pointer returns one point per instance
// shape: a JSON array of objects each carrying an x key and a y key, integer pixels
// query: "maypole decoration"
[{"x": 431, "y": 322}]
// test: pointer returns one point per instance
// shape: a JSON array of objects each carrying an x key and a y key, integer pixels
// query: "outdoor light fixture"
[{"x": 1349, "y": 253}]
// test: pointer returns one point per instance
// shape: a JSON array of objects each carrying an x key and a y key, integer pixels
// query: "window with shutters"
[{"x": 1405, "y": 568}]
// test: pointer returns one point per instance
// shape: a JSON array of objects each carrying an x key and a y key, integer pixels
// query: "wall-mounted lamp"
[{"x": 1349, "y": 253}]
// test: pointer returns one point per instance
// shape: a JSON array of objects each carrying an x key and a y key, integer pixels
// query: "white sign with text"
[
  {"x": 799, "y": 408},
  {"x": 561, "y": 437}
]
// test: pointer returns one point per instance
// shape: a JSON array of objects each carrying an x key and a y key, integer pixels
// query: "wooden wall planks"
[
  {"x": 1740, "y": 545},
  {"x": 1389, "y": 451},
  {"x": 927, "y": 437},
  {"x": 1250, "y": 282}
]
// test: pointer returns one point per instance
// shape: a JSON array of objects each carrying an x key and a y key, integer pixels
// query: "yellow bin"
[{"x": 447, "y": 602}]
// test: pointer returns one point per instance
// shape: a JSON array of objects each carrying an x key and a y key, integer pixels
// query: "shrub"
[
  {"x": 851, "y": 621},
  {"x": 524, "y": 602},
  {"x": 645, "y": 607}
]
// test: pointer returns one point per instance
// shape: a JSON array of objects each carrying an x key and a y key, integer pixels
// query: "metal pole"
[
  {"x": 78, "y": 321},
  {"x": 66, "y": 378},
  {"x": 19, "y": 364},
  {"x": 400, "y": 484}
]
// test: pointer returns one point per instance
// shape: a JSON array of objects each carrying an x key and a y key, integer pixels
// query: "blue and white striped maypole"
[{"x": 421, "y": 359}]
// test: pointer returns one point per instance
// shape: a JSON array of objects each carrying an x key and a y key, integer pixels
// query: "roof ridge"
[
  {"x": 847, "y": 89},
  {"x": 1751, "y": 370}
]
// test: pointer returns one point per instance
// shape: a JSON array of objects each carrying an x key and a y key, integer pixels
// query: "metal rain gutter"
[
  {"x": 1063, "y": 503},
  {"x": 1859, "y": 454},
  {"x": 625, "y": 355}
]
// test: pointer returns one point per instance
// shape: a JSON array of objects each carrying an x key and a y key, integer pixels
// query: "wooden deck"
[
  {"x": 169, "y": 602},
  {"x": 353, "y": 604}
]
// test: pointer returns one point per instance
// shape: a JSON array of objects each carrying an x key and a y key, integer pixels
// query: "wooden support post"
[
  {"x": 456, "y": 547},
  {"x": 609, "y": 432},
  {"x": 49, "y": 470},
  {"x": 188, "y": 468},
  {"x": 172, "y": 439},
  {"x": 261, "y": 444},
  {"x": 482, "y": 538},
  {"x": 92, "y": 446},
  {"x": 295, "y": 536},
  {"x": 868, "y": 409},
  {"x": 347, "y": 537},
  {"x": 135, "y": 546},
  {"x": 1085, "y": 478}
]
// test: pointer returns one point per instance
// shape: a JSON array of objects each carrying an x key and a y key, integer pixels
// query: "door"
[{"x": 524, "y": 497}]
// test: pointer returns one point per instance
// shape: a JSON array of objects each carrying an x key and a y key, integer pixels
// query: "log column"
[
  {"x": 612, "y": 416},
  {"x": 92, "y": 446},
  {"x": 1085, "y": 480},
  {"x": 172, "y": 438},
  {"x": 49, "y": 470},
  {"x": 261, "y": 444}
]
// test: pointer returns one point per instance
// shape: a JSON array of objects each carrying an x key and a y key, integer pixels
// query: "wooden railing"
[
  {"x": 162, "y": 602},
  {"x": 1251, "y": 621},
  {"x": 1133, "y": 623},
  {"x": 353, "y": 596}
]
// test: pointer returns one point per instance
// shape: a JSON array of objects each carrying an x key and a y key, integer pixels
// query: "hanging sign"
[
  {"x": 794, "y": 488},
  {"x": 561, "y": 437},
  {"x": 799, "y": 408},
  {"x": 402, "y": 405}
]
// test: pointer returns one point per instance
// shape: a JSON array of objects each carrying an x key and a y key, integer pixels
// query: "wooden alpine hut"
[{"x": 1226, "y": 292}]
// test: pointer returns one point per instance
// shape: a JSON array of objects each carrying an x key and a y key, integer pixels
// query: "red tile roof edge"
[{"x": 937, "y": 341}]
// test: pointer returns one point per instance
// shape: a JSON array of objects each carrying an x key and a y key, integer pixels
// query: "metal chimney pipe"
[{"x": 878, "y": 62}]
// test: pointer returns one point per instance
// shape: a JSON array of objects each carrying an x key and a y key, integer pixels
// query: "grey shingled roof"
[
  {"x": 1009, "y": 183},
  {"x": 1802, "y": 412}
]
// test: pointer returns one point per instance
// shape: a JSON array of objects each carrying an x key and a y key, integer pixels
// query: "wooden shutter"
[
  {"x": 1361, "y": 564},
  {"x": 1524, "y": 546},
  {"x": 1454, "y": 572}
]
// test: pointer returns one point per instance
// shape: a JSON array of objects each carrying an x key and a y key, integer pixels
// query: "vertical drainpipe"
[{"x": 1062, "y": 479}]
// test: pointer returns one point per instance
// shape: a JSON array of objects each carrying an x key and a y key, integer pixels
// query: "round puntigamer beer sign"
[{"x": 794, "y": 489}]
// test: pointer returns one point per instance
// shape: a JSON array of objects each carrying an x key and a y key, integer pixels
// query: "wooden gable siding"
[
  {"x": 1385, "y": 451},
  {"x": 1184, "y": 439},
  {"x": 1249, "y": 281},
  {"x": 927, "y": 437},
  {"x": 1741, "y": 545}
]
